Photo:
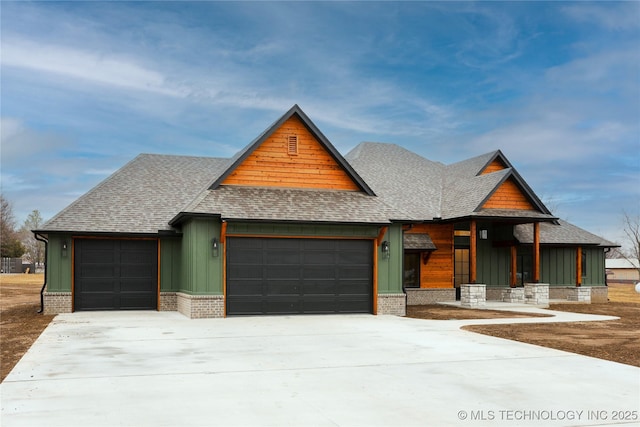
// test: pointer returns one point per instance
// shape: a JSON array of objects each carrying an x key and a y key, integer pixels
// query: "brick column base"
[
  {"x": 168, "y": 301},
  {"x": 393, "y": 304},
  {"x": 57, "y": 302},
  {"x": 200, "y": 306}
]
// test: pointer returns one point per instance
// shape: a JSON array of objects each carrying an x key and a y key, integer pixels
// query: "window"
[
  {"x": 411, "y": 270},
  {"x": 584, "y": 264},
  {"x": 461, "y": 267},
  {"x": 292, "y": 144}
]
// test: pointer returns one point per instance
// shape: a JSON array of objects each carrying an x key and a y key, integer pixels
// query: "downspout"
[
  {"x": 44, "y": 285},
  {"x": 606, "y": 281}
]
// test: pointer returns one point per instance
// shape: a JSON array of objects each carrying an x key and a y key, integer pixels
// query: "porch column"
[
  {"x": 579, "y": 267},
  {"x": 513, "y": 279},
  {"x": 536, "y": 252},
  {"x": 473, "y": 276}
]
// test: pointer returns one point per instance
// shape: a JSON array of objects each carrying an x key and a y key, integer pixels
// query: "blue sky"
[{"x": 86, "y": 86}]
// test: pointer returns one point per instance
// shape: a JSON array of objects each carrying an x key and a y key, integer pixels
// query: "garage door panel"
[
  {"x": 283, "y": 257},
  {"x": 113, "y": 274},
  {"x": 97, "y": 301},
  {"x": 244, "y": 272},
  {"x": 97, "y": 270},
  {"x": 319, "y": 258},
  {"x": 275, "y": 272},
  {"x": 354, "y": 287},
  {"x": 283, "y": 287},
  {"x": 319, "y": 272},
  {"x": 354, "y": 272},
  {"x": 136, "y": 270},
  {"x": 319, "y": 287},
  {"x": 97, "y": 257},
  {"x": 245, "y": 256},
  {"x": 293, "y": 276}
]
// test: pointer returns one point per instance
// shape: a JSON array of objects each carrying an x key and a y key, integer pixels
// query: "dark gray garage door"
[
  {"x": 116, "y": 274},
  {"x": 291, "y": 276}
]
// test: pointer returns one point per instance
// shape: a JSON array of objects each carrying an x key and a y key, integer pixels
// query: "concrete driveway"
[{"x": 162, "y": 369}]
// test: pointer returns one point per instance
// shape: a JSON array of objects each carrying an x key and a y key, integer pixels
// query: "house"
[
  {"x": 289, "y": 226},
  {"x": 622, "y": 270}
]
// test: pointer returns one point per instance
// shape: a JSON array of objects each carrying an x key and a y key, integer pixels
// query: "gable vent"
[{"x": 292, "y": 144}]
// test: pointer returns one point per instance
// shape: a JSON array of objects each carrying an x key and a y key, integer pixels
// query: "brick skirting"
[
  {"x": 424, "y": 296},
  {"x": 200, "y": 306},
  {"x": 393, "y": 304},
  {"x": 168, "y": 301},
  {"x": 57, "y": 302}
]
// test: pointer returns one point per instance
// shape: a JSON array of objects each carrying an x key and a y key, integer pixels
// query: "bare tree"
[
  {"x": 10, "y": 245},
  {"x": 631, "y": 225},
  {"x": 34, "y": 248}
]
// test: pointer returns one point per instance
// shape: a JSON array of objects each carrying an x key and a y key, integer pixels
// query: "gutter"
[{"x": 42, "y": 239}]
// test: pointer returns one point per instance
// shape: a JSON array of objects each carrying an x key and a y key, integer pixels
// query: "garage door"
[
  {"x": 115, "y": 274},
  {"x": 294, "y": 276}
]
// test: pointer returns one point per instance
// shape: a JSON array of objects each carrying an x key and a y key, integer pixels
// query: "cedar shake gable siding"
[
  {"x": 308, "y": 167},
  {"x": 291, "y": 157}
]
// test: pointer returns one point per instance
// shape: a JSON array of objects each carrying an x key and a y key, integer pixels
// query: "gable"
[
  {"x": 509, "y": 195},
  {"x": 496, "y": 165},
  {"x": 291, "y": 157}
]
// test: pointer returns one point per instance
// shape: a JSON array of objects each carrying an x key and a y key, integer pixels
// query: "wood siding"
[
  {"x": 494, "y": 166},
  {"x": 438, "y": 271},
  {"x": 273, "y": 164},
  {"x": 508, "y": 196}
]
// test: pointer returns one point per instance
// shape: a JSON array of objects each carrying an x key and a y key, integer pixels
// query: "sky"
[{"x": 87, "y": 86}]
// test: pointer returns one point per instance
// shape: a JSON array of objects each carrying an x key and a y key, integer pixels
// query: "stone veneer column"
[
  {"x": 393, "y": 304},
  {"x": 536, "y": 293},
  {"x": 473, "y": 295}
]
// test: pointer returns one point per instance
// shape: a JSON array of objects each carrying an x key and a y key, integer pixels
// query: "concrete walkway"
[{"x": 162, "y": 369}]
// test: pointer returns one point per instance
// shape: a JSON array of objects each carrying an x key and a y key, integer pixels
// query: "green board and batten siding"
[
  {"x": 170, "y": 264},
  {"x": 558, "y": 266},
  {"x": 201, "y": 270},
  {"x": 390, "y": 269},
  {"x": 59, "y": 265}
]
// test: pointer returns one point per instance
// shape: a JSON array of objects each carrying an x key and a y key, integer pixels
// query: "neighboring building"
[
  {"x": 622, "y": 270},
  {"x": 291, "y": 226}
]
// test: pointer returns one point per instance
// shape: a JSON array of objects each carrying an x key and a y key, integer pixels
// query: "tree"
[
  {"x": 10, "y": 245},
  {"x": 631, "y": 224},
  {"x": 33, "y": 247}
]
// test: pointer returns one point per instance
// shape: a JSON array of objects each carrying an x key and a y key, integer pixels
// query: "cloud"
[
  {"x": 609, "y": 15},
  {"x": 94, "y": 67}
]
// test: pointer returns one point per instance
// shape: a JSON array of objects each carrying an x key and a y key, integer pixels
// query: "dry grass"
[{"x": 619, "y": 292}]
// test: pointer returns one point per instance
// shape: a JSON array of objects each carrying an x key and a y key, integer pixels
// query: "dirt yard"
[
  {"x": 617, "y": 340},
  {"x": 20, "y": 324}
]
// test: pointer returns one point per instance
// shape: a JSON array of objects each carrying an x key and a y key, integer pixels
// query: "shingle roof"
[
  {"x": 401, "y": 178},
  {"x": 284, "y": 204},
  {"x": 423, "y": 190},
  {"x": 141, "y": 197},
  {"x": 418, "y": 241},
  {"x": 561, "y": 233}
]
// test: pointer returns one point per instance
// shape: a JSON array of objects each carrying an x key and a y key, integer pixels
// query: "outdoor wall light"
[
  {"x": 385, "y": 249},
  {"x": 214, "y": 247},
  {"x": 63, "y": 248},
  {"x": 484, "y": 234}
]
